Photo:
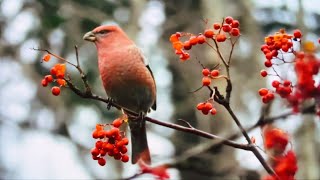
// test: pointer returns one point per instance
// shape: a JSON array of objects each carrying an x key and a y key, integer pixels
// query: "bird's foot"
[{"x": 110, "y": 101}]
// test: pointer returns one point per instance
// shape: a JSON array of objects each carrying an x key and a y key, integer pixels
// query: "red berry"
[
  {"x": 123, "y": 149},
  {"x": 95, "y": 152},
  {"x": 95, "y": 157},
  {"x": 221, "y": 37},
  {"x": 187, "y": 45},
  {"x": 235, "y": 24},
  {"x": 214, "y": 73},
  {"x": 117, "y": 156},
  {"x": 205, "y": 72},
  {"x": 124, "y": 158},
  {"x": 201, "y": 39},
  {"x": 226, "y": 28},
  {"x": 114, "y": 131},
  {"x": 297, "y": 33},
  {"x": 102, "y": 161},
  {"x": 99, "y": 144},
  {"x": 267, "y": 63},
  {"x": 216, "y": 26},
  {"x": 55, "y": 90},
  {"x": 44, "y": 83},
  {"x": 269, "y": 56},
  {"x": 263, "y": 73},
  {"x": 117, "y": 122},
  {"x": 48, "y": 78},
  {"x": 228, "y": 19},
  {"x": 287, "y": 83},
  {"x": 53, "y": 71},
  {"x": 205, "y": 112},
  {"x": 208, "y": 33},
  {"x": 174, "y": 38},
  {"x": 213, "y": 111},
  {"x": 200, "y": 106},
  {"x": 263, "y": 91},
  {"x": 235, "y": 32},
  {"x": 125, "y": 141},
  {"x": 95, "y": 134},
  {"x": 193, "y": 40},
  {"x": 275, "y": 84},
  {"x": 206, "y": 81},
  {"x": 208, "y": 106},
  {"x": 185, "y": 56},
  {"x": 270, "y": 96}
]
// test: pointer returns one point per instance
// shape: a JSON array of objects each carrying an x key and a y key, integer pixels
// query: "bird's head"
[{"x": 106, "y": 35}]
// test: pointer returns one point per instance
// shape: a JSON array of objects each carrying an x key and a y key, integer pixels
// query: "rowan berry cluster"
[
  {"x": 110, "y": 142},
  {"x": 284, "y": 163},
  {"x": 208, "y": 76},
  {"x": 206, "y": 108},
  {"x": 219, "y": 32},
  {"x": 305, "y": 63},
  {"x": 56, "y": 75}
]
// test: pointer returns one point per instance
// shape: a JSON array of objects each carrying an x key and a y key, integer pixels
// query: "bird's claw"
[{"x": 110, "y": 101}]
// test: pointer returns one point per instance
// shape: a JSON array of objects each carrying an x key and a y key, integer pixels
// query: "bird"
[{"x": 127, "y": 79}]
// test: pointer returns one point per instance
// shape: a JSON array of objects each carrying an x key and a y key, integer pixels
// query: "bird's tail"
[{"x": 139, "y": 143}]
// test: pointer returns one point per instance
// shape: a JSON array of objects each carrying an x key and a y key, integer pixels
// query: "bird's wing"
[{"x": 146, "y": 62}]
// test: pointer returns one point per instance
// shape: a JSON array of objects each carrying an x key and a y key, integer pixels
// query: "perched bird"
[{"x": 127, "y": 79}]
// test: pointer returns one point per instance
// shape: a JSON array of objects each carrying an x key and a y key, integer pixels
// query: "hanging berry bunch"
[
  {"x": 110, "y": 141},
  {"x": 56, "y": 76}
]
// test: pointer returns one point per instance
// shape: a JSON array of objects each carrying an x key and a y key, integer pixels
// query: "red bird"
[{"x": 127, "y": 79}]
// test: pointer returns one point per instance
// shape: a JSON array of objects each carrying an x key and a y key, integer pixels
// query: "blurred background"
[{"x": 47, "y": 137}]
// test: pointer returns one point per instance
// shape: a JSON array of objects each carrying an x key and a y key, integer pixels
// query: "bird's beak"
[{"x": 90, "y": 36}]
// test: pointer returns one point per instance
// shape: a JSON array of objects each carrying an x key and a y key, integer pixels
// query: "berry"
[
  {"x": 235, "y": 32},
  {"x": 208, "y": 106},
  {"x": 228, "y": 19},
  {"x": 61, "y": 82},
  {"x": 46, "y": 57},
  {"x": 185, "y": 56},
  {"x": 297, "y": 33},
  {"x": 55, "y": 90},
  {"x": 205, "y": 72},
  {"x": 53, "y": 71},
  {"x": 102, "y": 161},
  {"x": 213, "y": 111},
  {"x": 263, "y": 91},
  {"x": 174, "y": 38},
  {"x": 216, "y": 26},
  {"x": 99, "y": 144},
  {"x": 206, "y": 81},
  {"x": 263, "y": 73},
  {"x": 193, "y": 40},
  {"x": 124, "y": 158},
  {"x": 208, "y": 33},
  {"x": 275, "y": 84},
  {"x": 187, "y": 45},
  {"x": 95, "y": 152},
  {"x": 226, "y": 28},
  {"x": 214, "y": 73},
  {"x": 235, "y": 24},
  {"x": 44, "y": 82},
  {"x": 221, "y": 37},
  {"x": 117, "y": 122},
  {"x": 125, "y": 141},
  {"x": 48, "y": 78},
  {"x": 267, "y": 63},
  {"x": 201, "y": 39},
  {"x": 287, "y": 83},
  {"x": 200, "y": 106}
]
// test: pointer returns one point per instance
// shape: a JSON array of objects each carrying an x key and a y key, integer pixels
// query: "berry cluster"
[
  {"x": 206, "y": 108},
  {"x": 58, "y": 71},
  {"x": 110, "y": 142},
  {"x": 218, "y": 33},
  {"x": 306, "y": 66},
  {"x": 208, "y": 75},
  {"x": 284, "y": 163}
]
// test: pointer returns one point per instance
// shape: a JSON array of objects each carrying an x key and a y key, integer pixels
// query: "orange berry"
[
  {"x": 55, "y": 90},
  {"x": 263, "y": 91},
  {"x": 174, "y": 38},
  {"x": 177, "y": 45},
  {"x": 206, "y": 81},
  {"x": 61, "y": 82},
  {"x": 221, "y": 37},
  {"x": 208, "y": 33},
  {"x": 214, "y": 73},
  {"x": 117, "y": 122},
  {"x": 44, "y": 82},
  {"x": 200, "y": 106},
  {"x": 46, "y": 57},
  {"x": 208, "y": 106},
  {"x": 185, "y": 56},
  {"x": 187, "y": 45},
  {"x": 205, "y": 72},
  {"x": 53, "y": 71}
]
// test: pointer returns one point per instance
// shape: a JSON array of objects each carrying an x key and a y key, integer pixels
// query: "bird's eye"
[{"x": 103, "y": 32}]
